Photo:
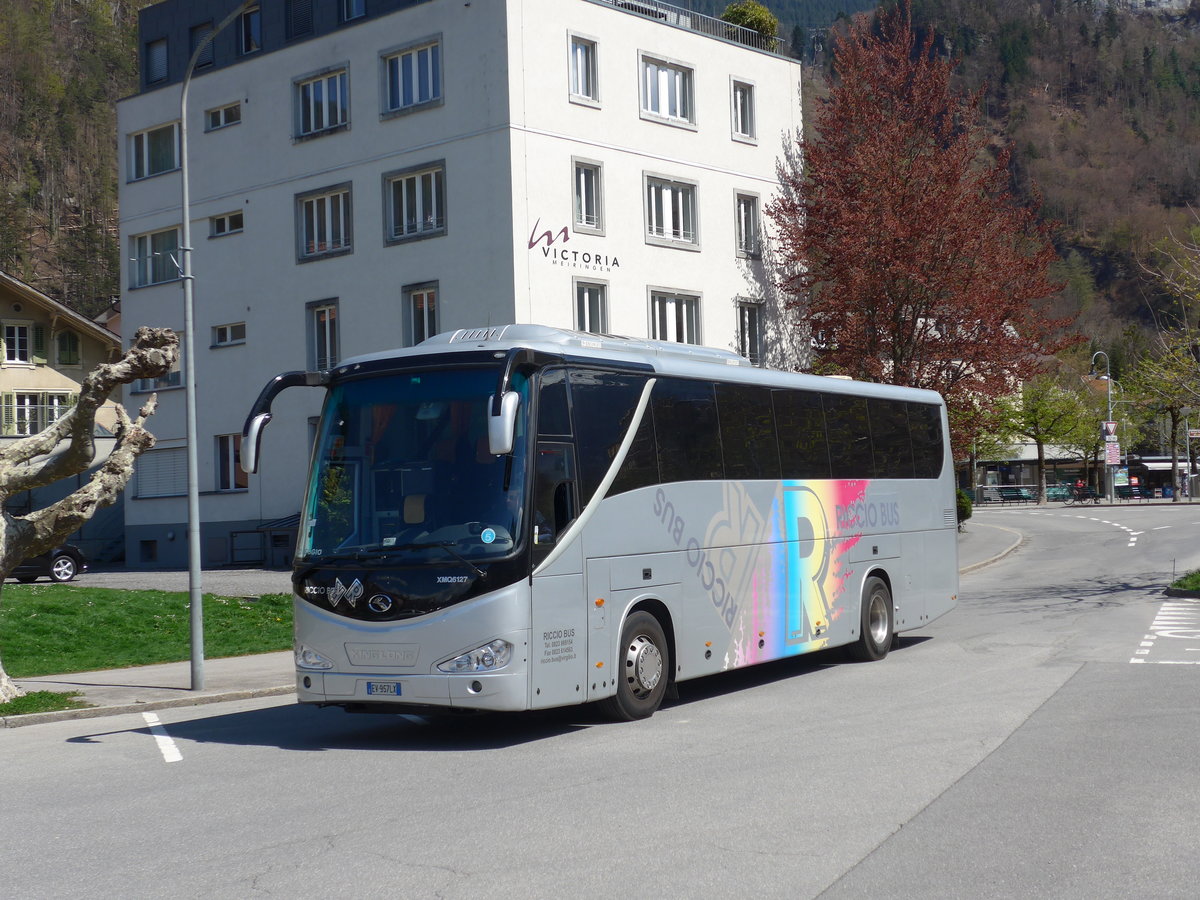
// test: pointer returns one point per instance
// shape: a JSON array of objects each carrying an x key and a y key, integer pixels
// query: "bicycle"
[{"x": 1080, "y": 496}]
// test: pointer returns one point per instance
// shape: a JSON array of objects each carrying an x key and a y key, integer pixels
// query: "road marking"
[
  {"x": 166, "y": 746},
  {"x": 1160, "y": 527},
  {"x": 1176, "y": 620}
]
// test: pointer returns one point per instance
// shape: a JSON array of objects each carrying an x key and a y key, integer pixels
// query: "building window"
[
  {"x": 230, "y": 476},
  {"x": 166, "y": 381},
  {"x": 671, "y": 212},
  {"x": 416, "y": 203},
  {"x": 749, "y": 334},
  {"x": 299, "y": 18},
  {"x": 250, "y": 31},
  {"x": 154, "y": 151},
  {"x": 667, "y": 91},
  {"x": 197, "y": 36},
  {"x": 24, "y": 344},
  {"x": 223, "y": 116},
  {"x": 31, "y": 412},
  {"x": 324, "y": 223},
  {"x": 743, "y": 110},
  {"x": 227, "y": 335},
  {"x": 156, "y": 61},
  {"x": 66, "y": 347},
  {"x": 591, "y": 307},
  {"x": 584, "y": 85},
  {"x": 322, "y": 335},
  {"x": 323, "y": 103},
  {"x": 420, "y": 311},
  {"x": 675, "y": 317},
  {"x": 230, "y": 223},
  {"x": 749, "y": 238},
  {"x": 589, "y": 208},
  {"x": 154, "y": 258},
  {"x": 353, "y": 9},
  {"x": 414, "y": 76},
  {"x": 161, "y": 473}
]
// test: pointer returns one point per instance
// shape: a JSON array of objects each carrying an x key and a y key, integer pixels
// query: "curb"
[
  {"x": 1180, "y": 592},
  {"x": 1020, "y": 539},
  {"x": 95, "y": 712}
]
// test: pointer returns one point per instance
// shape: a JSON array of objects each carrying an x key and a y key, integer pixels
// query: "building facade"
[{"x": 366, "y": 173}]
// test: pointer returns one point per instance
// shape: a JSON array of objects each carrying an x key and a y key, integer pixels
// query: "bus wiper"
[{"x": 448, "y": 546}]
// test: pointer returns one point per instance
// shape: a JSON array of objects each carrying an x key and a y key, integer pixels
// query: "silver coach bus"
[{"x": 522, "y": 517}]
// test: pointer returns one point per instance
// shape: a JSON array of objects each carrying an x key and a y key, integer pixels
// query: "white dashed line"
[{"x": 166, "y": 746}]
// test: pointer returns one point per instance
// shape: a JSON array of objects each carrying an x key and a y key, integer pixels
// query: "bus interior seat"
[{"x": 414, "y": 509}]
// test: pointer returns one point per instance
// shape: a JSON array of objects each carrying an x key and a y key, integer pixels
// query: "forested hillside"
[
  {"x": 63, "y": 66},
  {"x": 1102, "y": 105}
]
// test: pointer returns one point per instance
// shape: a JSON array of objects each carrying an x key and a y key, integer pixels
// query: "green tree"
[{"x": 1046, "y": 413}]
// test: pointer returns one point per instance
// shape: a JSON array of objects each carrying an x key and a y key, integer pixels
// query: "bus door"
[{"x": 558, "y": 643}]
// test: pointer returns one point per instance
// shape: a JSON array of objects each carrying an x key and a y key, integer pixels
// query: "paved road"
[{"x": 1014, "y": 748}]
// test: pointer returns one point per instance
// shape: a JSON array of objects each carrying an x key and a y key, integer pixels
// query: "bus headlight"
[
  {"x": 495, "y": 655},
  {"x": 308, "y": 658}
]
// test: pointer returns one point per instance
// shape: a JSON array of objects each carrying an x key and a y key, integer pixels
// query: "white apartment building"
[{"x": 365, "y": 173}]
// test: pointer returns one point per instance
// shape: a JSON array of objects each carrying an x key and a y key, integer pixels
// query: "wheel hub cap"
[{"x": 646, "y": 664}]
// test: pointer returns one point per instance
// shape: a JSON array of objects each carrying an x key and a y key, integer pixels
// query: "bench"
[
  {"x": 1015, "y": 495},
  {"x": 1133, "y": 492}
]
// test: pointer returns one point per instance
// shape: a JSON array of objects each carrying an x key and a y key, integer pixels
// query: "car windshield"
[{"x": 402, "y": 469}]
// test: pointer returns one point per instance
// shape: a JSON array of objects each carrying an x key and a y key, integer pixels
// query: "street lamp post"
[
  {"x": 195, "y": 595},
  {"x": 1108, "y": 473}
]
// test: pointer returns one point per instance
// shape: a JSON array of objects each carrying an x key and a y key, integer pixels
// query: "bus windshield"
[{"x": 402, "y": 469}]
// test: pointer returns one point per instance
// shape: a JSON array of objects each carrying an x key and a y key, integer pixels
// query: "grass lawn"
[
  {"x": 1189, "y": 582},
  {"x": 46, "y": 629}
]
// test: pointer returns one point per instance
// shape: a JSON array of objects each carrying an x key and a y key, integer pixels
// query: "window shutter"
[
  {"x": 7, "y": 401},
  {"x": 162, "y": 473},
  {"x": 39, "y": 345},
  {"x": 299, "y": 18}
]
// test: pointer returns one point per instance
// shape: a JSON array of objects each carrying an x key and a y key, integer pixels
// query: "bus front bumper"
[{"x": 500, "y": 691}]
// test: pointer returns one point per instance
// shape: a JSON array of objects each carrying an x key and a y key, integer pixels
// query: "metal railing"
[{"x": 701, "y": 24}]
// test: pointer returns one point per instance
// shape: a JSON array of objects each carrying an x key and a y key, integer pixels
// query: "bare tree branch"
[{"x": 31, "y": 462}]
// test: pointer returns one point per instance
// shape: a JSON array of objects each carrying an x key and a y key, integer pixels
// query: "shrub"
[
  {"x": 963, "y": 504},
  {"x": 753, "y": 15}
]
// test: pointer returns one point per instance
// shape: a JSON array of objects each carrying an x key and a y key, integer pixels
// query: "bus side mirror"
[
  {"x": 251, "y": 439},
  {"x": 502, "y": 423}
]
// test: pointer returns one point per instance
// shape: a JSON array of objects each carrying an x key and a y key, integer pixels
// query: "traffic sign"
[
  {"x": 1194, "y": 432},
  {"x": 1112, "y": 453}
]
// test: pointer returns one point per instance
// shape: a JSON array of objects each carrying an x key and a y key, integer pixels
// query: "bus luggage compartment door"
[{"x": 558, "y": 643}]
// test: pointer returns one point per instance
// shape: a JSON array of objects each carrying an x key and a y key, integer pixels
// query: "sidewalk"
[{"x": 146, "y": 688}]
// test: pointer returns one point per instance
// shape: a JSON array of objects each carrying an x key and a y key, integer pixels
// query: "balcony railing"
[{"x": 700, "y": 23}]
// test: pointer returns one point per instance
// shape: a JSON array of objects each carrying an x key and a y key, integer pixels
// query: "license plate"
[{"x": 390, "y": 688}]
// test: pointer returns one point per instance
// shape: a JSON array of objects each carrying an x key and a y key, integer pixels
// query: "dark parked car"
[{"x": 60, "y": 564}]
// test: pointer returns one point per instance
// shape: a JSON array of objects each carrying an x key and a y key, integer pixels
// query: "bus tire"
[
  {"x": 644, "y": 665},
  {"x": 877, "y": 624}
]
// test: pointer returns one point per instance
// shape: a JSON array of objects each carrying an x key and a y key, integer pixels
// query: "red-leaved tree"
[{"x": 909, "y": 260}]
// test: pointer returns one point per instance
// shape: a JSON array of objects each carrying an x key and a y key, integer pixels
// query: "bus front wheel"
[
  {"x": 877, "y": 627},
  {"x": 643, "y": 667}
]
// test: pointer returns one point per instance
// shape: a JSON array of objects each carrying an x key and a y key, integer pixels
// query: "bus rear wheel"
[
  {"x": 643, "y": 666},
  {"x": 877, "y": 628}
]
